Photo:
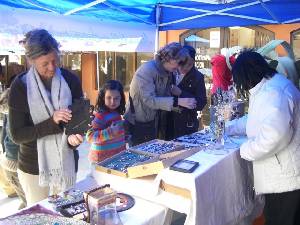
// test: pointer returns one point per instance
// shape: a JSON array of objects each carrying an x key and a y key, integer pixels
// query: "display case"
[{"x": 145, "y": 159}]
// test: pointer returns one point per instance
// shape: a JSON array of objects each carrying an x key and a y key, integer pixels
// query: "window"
[
  {"x": 241, "y": 36},
  {"x": 295, "y": 41},
  {"x": 124, "y": 68},
  {"x": 207, "y": 43},
  {"x": 11, "y": 65},
  {"x": 143, "y": 57},
  {"x": 72, "y": 62},
  {"x": 105, "y": 67},
  {"x": 117, "y": 66},
  {"x": 249, "y": 37}
]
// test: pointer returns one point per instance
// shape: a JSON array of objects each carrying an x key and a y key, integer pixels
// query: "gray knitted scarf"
[{"x": 55, "y": 158}]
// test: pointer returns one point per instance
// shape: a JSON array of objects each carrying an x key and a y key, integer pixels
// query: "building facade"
[{"x": 94, "y": 68}]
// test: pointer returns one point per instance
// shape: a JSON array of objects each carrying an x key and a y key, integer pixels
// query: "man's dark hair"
[
  {"x": 249, "y": 69},
  {"x": 191, "y": 50}
]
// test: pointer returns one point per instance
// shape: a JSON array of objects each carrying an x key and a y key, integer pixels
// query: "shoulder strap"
[{"x": 131, "y": 105}]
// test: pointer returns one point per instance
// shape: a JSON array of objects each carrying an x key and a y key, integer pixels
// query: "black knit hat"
[{"x": 192, "y": 51}]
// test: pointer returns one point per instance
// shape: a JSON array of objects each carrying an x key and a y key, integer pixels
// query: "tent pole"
[
  {"x": 157, "y": 22},
  {"x": 97, "y": 69},
  {"x": 39, "y": 6},
  {"x": 219, "y": 12},
  {"x": 86, "y": 6},
  {"x": 269, "y": 11},
  {"x": 124, "y": 11}
]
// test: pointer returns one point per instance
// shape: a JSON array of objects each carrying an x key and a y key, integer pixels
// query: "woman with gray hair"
[
  {"x": 38, "y": 108},
  {"x": 150, "y": 93}
]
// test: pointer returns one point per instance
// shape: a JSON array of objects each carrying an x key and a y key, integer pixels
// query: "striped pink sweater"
[{"x": 106, "y": 139}]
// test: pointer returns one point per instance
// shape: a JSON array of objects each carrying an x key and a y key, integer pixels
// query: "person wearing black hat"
[{"x": 188, "y": 82}]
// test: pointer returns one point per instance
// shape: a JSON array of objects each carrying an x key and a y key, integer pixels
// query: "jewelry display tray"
[{"x": 154, "y": 162}]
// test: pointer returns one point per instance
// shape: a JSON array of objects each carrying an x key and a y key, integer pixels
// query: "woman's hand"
[
  {"x": 75, "y": 139},
  {"x": 62, "y": 115},
  {"x": 175, "y": 90},
  {"x": 189, "y": 103}
]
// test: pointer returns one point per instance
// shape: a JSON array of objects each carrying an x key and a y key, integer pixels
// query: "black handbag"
[
  {"x": 81, "y": 117},
  {"x": 140, "y": 131}
]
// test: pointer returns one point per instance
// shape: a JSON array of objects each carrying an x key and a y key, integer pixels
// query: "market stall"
[{"x": 218, "y": 192}]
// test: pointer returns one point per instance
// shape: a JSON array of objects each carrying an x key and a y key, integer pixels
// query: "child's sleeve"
[{"x": 100, "y": 132}]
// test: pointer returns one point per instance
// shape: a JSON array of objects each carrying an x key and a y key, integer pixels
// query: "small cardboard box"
[{"x": 153, "y": 165}]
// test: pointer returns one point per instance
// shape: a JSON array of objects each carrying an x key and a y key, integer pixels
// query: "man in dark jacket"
[{"x": 187, "y": 83}]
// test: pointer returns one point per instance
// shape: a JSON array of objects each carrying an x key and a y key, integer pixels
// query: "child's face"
[{"x": 112, "y": 99}]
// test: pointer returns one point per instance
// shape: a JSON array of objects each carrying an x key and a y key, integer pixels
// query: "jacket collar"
[
  {"x": 257, "y": 87},
  {"x": 189, "y": 74}
]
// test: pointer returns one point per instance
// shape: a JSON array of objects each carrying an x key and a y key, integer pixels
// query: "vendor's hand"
[
  {"x": 189, "y": 103},
  {"x": 62, "y": 115},
  {"x": 75, "y": 139},
  {"x": 175, "y": 90}
]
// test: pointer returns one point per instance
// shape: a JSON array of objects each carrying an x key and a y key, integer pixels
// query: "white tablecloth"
[
  {"x": 221, "y": 188},
  {"x": 142, "y": 213}
]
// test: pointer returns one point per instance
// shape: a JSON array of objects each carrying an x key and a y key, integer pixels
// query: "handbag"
[
  {"x": 140, "y": 131},
  {"x": 81, "y": 117}
]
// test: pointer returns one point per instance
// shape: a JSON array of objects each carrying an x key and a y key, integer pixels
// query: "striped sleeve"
[{"x": 101, "y": 132}]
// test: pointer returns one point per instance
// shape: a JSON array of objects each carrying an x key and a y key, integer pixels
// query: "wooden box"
[{"x": 150, "y": 163}]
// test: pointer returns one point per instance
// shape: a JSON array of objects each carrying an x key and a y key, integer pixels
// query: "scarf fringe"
[
  {"x": 55, "y": 159},
  {"x": 56, "y": 181}
]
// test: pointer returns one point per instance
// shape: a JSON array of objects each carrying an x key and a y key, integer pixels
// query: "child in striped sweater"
[{"x": 107, "y": 135}]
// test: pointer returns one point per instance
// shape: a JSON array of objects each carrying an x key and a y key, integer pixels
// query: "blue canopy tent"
[{"x": 152, "y": 15}]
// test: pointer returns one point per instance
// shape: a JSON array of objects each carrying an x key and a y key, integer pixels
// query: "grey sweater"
[{"x": 150, "y": 91}]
